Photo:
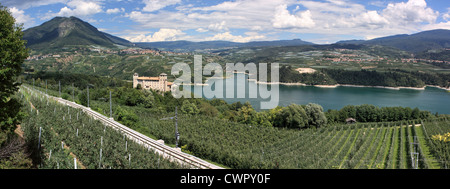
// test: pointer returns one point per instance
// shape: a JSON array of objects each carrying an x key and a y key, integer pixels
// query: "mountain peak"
[
  {"x": 65, "y": 27},
  {"x": 61, "y": 31}
]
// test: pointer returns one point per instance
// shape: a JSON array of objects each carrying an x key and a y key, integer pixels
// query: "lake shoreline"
[
  {"x": 348, "y": 85},
  {"x": 430, "y": 98},
  {"x": 323, "y": 86}
]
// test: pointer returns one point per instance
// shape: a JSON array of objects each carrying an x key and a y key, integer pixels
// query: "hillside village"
[{"x": 83, "y": 51}]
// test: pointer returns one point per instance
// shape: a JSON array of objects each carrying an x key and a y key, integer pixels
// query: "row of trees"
[
  {"x": 292, "y": 116},
  {"x": 372, "y": 113},
  {"x": 300, "y": 116}
]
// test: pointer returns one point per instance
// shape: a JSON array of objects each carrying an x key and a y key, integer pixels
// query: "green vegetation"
[
  {"x": 61, "y": 32},
  {"x": 68, "y": 133},
  {"x": 242, "y": 145},
  {"x": 293, "y": 116},
  {"x": 418, "y": 42},
  {"x": 288, "y": 75},
  {"x": 371, "y": 113},
  {"x": 208, "y": 46},
  {"x": 439, "y": 149},
  {"x": 373, "y": 78},
  {"x": 252, "y": 146},
  {"x": 390, "y": 78},
  {"x": 12, "y": 55},
  {"x": 234, "y": 135},
  {"x": 441, "y": 54}
]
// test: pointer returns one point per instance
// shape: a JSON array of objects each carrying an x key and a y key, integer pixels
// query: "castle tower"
[
  {"x": 163, "y": 81},
  {"x": 135, "y": 80}
]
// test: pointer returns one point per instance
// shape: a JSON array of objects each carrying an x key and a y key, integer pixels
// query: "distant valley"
[
  {"x": 70, "y": 45},
  {"x": 68, "y": 31}
]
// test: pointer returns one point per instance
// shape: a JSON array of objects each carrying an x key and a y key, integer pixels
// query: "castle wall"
[{"x": 147, "y": 83}]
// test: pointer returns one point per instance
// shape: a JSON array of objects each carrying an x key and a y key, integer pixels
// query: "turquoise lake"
[{"x": 431, "y": 99}]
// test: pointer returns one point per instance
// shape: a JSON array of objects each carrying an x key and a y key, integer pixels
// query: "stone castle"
[{"x": 156, "y": 83}]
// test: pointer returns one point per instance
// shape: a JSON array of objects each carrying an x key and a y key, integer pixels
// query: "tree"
[
  {"x": 12, "y": 54},
  {"x": 189, "y": 108},
  {"x": 247, "y": 115},
  {"x": 207, "y": 109},
  {"x": 415, "y": 114},
  {"x": 292, "y": 116},
  {"x": 332, "y": 116},
  {"x": 236, "y": 106},
  {"x": 131, "y": 97},
  {"x": 315, "y": 114},
  {"x": 83, "y": 98},
  {"x": 125, "y": 117},
  {"x": 348, "y": 111}
]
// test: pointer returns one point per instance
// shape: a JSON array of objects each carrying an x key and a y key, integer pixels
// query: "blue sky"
[{"x": 318, "y": 21}]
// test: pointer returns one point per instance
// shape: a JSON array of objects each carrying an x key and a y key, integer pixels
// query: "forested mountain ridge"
[
  {"x": 188, "y": 46},
  {"x": 418, "y": 42},
  {"x": 63, "y": 31},
  {"x": 390, "y": 78}
]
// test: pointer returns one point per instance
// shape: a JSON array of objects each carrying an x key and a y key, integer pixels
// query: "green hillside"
[
  {"x": 374, "y": 145},
  {"x": 189, "y": 46},
  {"x": 62, "y": 31},
  {"x": 422, "y": 41}
]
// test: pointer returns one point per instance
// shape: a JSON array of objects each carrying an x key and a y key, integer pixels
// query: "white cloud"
[
  {"x": 378, "y": 3},
  {"x": 283, "y": 19},
  {"x": 163, "y": 18},
  {"x": 256, "y": 28},
  {"x": 334, "y": 7},
  {"x": 227, "y": 36},
  {"x": 115, "y": 10},
  {"x": 154, "y": 5},
  {"x": 242, "y": 14},
  {"x": 25, "y": 4},
  {"x": 440, "y": 25},
  {"x": 373, "y": 18},
  {"x": 21, "y": 17},
  {"x": 201, "y": 30},
  {"x": 217, "y": 27},
  {"x": 446, "y": 16},
  {"x": 79, "y": 8},
  {"x": 342, "y": 17},
  {"x": 327, "y": 17},
  {"x": 411, "y": 12},
  {"x": 338, "y": 2},
  {"x": 163, "y": 34},
  {"x": 255, "y": 15}
]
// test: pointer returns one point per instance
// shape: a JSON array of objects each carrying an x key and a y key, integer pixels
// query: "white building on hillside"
[{"x": 156, "y": 83}]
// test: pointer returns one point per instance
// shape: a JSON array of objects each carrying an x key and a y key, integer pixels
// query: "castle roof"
[{"x": 149, "y": 78}]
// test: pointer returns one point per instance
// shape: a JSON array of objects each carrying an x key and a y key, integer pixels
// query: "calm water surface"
[{"x": 431, "y": 99}]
